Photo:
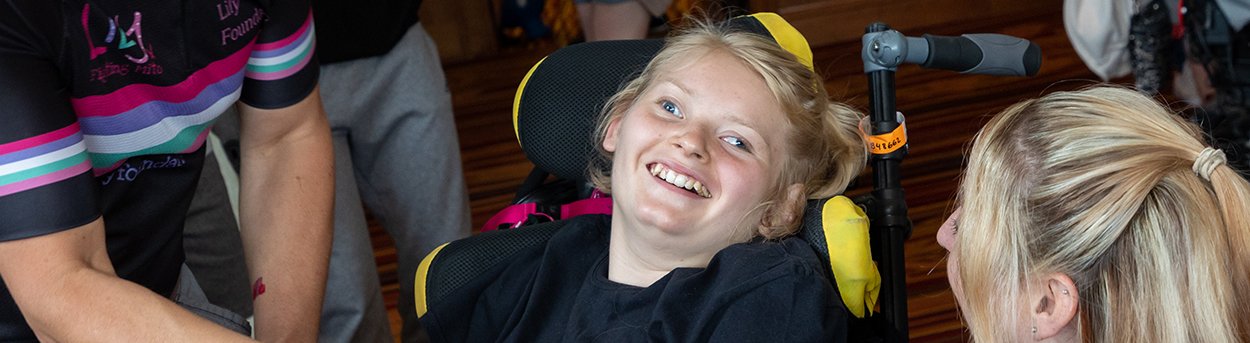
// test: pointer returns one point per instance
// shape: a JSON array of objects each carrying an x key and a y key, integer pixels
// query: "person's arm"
[
  {"x": 286, "y": 200},
  {"x": 53, "y": 257},
  {"x": 65, "y": 286}
]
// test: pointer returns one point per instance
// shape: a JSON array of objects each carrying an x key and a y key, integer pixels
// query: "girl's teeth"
[{"x": 680, "y": 180}]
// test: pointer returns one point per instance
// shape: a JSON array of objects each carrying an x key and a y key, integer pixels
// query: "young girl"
[
  {"x": 1099, "y": 216},
  {"x": 713, "y": 151}
]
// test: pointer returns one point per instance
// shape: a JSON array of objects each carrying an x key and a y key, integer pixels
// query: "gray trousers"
[
  {"x": 191, "y": 297},
  {"x": 396, "y": 151}
]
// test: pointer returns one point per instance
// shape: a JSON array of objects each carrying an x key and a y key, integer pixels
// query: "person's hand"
[{"x": 850, "y": 255}]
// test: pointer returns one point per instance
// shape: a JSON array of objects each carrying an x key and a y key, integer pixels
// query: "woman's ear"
[
  {"x": 609, "y": 136},
  {"x": 1055, "y": 304}
]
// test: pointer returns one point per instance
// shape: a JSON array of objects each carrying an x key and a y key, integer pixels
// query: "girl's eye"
[
  {"x": 670, "y": 107},
  {"x": 736, "y": 142}
]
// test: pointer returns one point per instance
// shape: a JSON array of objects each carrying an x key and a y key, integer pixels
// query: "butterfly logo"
[{"x": 127, "y": 39}]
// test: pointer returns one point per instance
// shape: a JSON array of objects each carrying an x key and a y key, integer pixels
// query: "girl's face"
[{"x": 696, "y": 154}]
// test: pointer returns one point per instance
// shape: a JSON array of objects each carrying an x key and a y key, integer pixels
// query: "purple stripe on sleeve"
[
  {"x": 40, "y": 149},
  {"x": 304, "y": 35},
  {"x": 35, "y": 141}
]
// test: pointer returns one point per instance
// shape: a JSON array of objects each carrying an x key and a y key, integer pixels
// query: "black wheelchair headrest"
[
  {"x": 558, "y": 103},
  {"x": 556, "y": 106}
]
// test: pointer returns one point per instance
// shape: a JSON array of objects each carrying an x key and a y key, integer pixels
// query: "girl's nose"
[{"x": 692, "y": 142}]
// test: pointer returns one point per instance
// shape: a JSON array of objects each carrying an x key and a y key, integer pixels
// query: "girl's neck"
[{"x": 634, "y": 261}]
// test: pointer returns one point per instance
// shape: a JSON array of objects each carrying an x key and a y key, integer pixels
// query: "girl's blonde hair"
[
  {"x": 1099, "y": 185},
  {"x": 827, "y": 151}
]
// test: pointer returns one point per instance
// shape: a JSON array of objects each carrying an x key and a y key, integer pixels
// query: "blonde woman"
[{"x": 1099, "y": 216}]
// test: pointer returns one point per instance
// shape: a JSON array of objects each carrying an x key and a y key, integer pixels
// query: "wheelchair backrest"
[
  {"x": 555, "y": 112},
  {"x": 558, "y": 104}
]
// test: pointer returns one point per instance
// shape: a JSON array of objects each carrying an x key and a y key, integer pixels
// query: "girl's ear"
[
  {"x": 788, "y": 208},
  {"x": 609, "y": 137},
  {"x": 794, "y": 199}
]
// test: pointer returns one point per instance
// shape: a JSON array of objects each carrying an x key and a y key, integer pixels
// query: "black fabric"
[
  {"x": 32, "y": 82},
  {"x": 281, "y": 19},
  {"x": 812, "y": 230},
  {"x": 750, "y": 24},
  {"x": 559, "y": 291},
  {"x": 465, "y": 260},
  {"x": 359, "y": 29}
]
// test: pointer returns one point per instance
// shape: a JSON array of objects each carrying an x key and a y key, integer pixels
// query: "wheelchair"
[{"x": 554, "y": 114}]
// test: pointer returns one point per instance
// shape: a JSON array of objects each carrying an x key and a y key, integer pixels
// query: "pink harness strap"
[{"x": 515, "y": 215}]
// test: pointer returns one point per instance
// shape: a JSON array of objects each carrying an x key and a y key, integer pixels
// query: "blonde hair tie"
[{"x": 1207, "y": 161}]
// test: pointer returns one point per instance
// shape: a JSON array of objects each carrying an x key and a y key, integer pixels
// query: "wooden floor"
[{"x": 944, "y": 109}]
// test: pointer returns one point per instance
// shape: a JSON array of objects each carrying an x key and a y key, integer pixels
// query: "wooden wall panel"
[
  {"x": 838, "y": 21},
  {"x": 463, "y": 30}
]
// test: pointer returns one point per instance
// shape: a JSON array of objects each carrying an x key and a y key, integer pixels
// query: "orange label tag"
[
  {"x": 885, "y": 143},
  {"x": 888, "y": 143}
]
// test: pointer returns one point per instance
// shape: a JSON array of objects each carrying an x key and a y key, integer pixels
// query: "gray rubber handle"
[{"x": 984, "y": 53}]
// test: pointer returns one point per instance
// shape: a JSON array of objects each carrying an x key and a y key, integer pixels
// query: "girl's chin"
[{"x": 664, "y": 223}]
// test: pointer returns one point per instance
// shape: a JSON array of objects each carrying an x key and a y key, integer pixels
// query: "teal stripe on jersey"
[
  {"x": 254, "y": 68},
  {"x": 45, "y": 169},
  {"x": 181, "y": 142}
]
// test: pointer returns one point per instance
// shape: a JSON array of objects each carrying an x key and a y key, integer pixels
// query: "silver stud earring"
[
  {"x": 1034, "y": 330},
  {"x": 1065, "y": 292}
]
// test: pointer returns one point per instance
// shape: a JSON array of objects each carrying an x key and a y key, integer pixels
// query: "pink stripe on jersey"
[
  {"x": 132, "y": 96},
  {"x": 45, "y": 179},
  {"x": 39, "y": 140},
  {"x": 101, "y": 171},
  {"x": 289, "y": 39}
]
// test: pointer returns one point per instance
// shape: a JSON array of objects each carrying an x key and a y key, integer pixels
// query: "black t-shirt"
[
  {"x": 106, "y": 104},
  {"x": 749, "y": 292},
  {"x": 359, "y": 29}
]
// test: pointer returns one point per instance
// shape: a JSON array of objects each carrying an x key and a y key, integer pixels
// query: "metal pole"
[{"x": 890, "y": 226}]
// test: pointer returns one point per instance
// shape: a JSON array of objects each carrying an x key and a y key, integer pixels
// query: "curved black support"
[
  {"x": 883, "y": 51},
  {"x": 890, "y": 226}
]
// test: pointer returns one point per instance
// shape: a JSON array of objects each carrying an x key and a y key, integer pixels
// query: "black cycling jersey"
[{"x": 105, "y": 108}]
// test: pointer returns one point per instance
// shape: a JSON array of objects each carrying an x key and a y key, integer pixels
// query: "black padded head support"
[
  {"x": 559, "y": 102},
  {"x": 813, "y": 218}
]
